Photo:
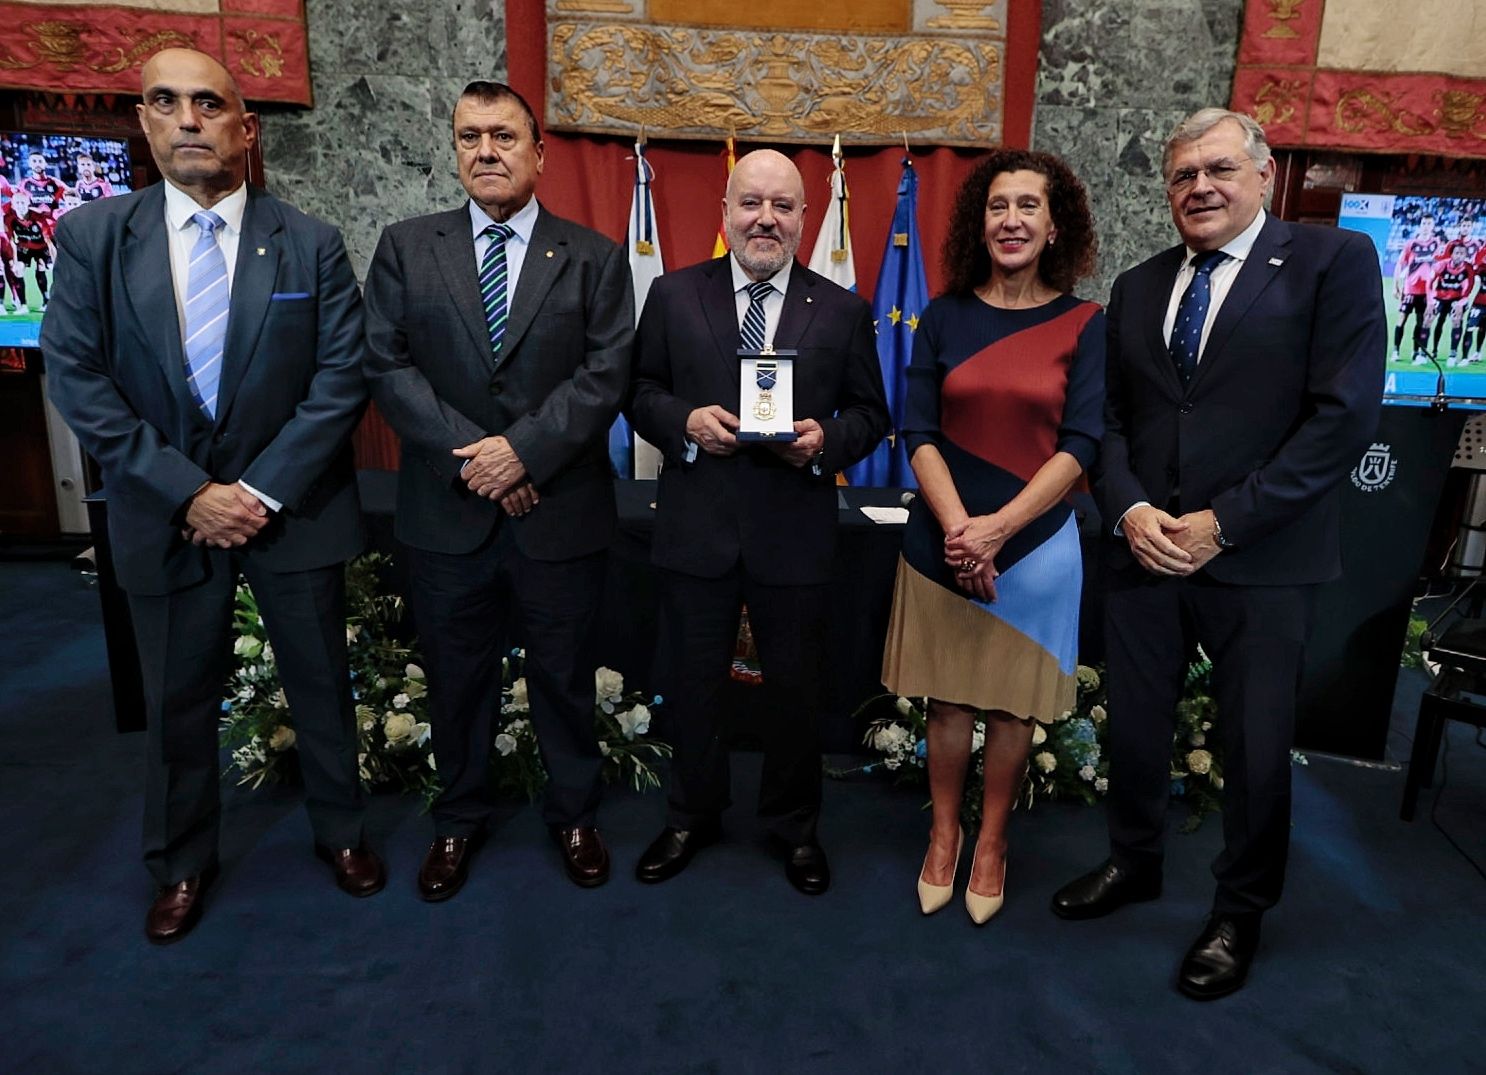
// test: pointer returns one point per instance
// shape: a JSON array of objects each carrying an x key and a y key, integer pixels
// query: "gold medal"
[{"x": 763, "y": 407}]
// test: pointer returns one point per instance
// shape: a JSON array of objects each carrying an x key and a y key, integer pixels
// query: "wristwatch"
[{"x": 1223, "y": 543}]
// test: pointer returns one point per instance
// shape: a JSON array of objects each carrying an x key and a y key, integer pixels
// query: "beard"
[{"x": 760, "y": 263}]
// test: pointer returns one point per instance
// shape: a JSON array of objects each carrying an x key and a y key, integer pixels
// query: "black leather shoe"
[
  {"x": 584, "y": 856},
  {"x": 808, "y": 870},
  {"x": 1218, "y": 961},
  {"x": 358, "y": 870},
  {"x": 1103, "y": 890},
  {"x": 669, "y": 853},
  {"x": 177, "y": 908},
  {"x": 446, "y": 867}
]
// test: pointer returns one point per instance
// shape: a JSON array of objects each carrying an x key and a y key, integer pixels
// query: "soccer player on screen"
[
  {"x": 1475, "y": 324},
  {"x": 90, "y": 185},
  {"x": 1452, "y": 283},
  {"x": 46, "y": 190},
  {"x": 1411, "y": 280},
  {"x": 31, "y": 232}
]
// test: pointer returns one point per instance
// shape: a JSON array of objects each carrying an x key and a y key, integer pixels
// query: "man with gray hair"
[
  {"x": 750, "y": 522},
  {"x": 1245, "y": 376}
]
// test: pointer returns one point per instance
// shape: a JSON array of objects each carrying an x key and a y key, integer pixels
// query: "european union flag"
[{"x": 902, "y": 294}]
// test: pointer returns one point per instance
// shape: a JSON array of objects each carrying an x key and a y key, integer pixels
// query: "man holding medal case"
[{"x": 758, "y": 380}]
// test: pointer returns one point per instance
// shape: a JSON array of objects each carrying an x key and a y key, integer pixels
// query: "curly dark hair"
[{"x": 967, "y": 262}]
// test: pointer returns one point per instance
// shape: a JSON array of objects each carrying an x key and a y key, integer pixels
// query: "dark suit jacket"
[
  {"x": 291, "y": 389},
  {"x": 779, "y": 518},
  {"x": 1283, "y": 402},
  {"x": 563, "y": 369}
]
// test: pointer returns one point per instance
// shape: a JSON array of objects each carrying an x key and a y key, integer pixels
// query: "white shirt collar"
[
  {"x": 180, "y": 207},
  {"x": 1239, "y": 246},
  {"x": 521, "y": 222},
  {"x": 741, "y": 279}
]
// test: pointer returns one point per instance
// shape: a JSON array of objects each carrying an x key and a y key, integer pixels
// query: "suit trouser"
[
  {"x": 1255, "y": 637},
  {"x": 185, "y": 647},
  {"x": 791, "y": 627},
  {"x": 464, "y": 605}
]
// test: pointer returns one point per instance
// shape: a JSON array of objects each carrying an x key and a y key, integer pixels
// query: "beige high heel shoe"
[
  {"x": 933, "y": 897},
  {"x": 983, "y": 908}
]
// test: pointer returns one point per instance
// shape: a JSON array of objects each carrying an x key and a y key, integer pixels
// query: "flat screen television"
[
  {"x": 43, "y": 177},
  {"x": 1433, "y": 256}
]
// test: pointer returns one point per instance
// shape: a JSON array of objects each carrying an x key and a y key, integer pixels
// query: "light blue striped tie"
[
  {"x": 206, "y": 313},
  {"x": 493, "y": 273}
]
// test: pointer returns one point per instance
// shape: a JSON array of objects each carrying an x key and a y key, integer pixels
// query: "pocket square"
[{"x": 284, "y": 296}]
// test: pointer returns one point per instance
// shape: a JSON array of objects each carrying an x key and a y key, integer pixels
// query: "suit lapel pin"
[
  {"x": 262, "y": 250},
  {"x": 1277, "y": 261},
  {"x": 549, "y": 253},
  {"x": 808, "y": 299}
]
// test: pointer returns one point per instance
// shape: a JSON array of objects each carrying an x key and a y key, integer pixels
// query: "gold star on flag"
[
  {"x": 913, "y": 323},
  {"x": 895, "y": 315}
]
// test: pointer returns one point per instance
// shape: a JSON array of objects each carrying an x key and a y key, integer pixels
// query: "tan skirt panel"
[{"x": 942, "y": 646}]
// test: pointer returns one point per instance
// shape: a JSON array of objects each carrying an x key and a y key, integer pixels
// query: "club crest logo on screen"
[{"x": 1375, "y": 471}]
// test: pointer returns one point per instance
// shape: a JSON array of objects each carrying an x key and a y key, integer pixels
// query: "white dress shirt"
[
  {"x": 180, "y": 207},
  {"x": 1222, "y": 277},
  {"x": 773, "y": 301},
  {"x": 521, "y": 222}
]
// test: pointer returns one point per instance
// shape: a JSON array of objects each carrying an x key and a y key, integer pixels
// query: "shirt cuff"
[
  {"x": 1119, "y": 527},
  {"x": 690, "y": 455},
  {"x": 268, "y": 502}
]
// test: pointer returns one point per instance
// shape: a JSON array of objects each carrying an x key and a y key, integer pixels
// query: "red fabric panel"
[
  {"x": 100, "y": 48},
  {"x": 283, "y": 9},
  {"x": 1273, "y": 41}
]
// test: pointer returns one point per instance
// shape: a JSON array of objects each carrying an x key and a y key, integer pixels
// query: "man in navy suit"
[
  {"x": 1245, "y": 377},
  {"x": 756, "y": 523},
  {"x": 499, "y": 340},
  {"x": 205, "y": 342}
]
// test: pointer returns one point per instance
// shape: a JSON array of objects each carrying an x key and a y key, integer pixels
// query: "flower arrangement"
[
  {"x": 1068, "y": 758},
  {"x": 395, "y": 742}
]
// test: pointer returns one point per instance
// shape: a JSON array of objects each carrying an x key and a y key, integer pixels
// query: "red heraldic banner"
[
  {"x": 99, "y": 48},
  {"x": 1359, "y": 75}
]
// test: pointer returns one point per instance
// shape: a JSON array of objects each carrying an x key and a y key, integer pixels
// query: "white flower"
[
  {"x": 1088, "y": 678},
  {"x": 604, "y": 748},
  {"x": 280, "y": 699},
  {"x": 516, "y": 727},
  {"x": 1039, "y": 735},
  {"x": 1207, "y": 725},
  {"x": 1086, "y": 773},
  {"x": 890, "y": 739},
  {"x": 412, "y": 671},
  {"x": 1045, "y": 761},
  {"x": 1101, "y": 785},
  {"x": 400, "y": 701},
  {"x": 1199, "y": 761},
  {"x": 1064, "y": 715},
  {"x": 367, "y": 724},
  {"x": 608, "y": 683},
  {"x": 414, "y": 688},
  {"x": 247, "y": 646},
  {"x": 904, "y": 705},
  {"x": 892, "y": 762},
  {"x": 352, "y": 631},
  {"x": 381, "y": 683},
  {"x": 398, "y": 726},
  {"x": 504, "y": 744},
  {"x": 1097, "y": 714},
  {"x": 421, "y": 732},
  {"x": 1197, "y": 739},
  {"x": 432, "y": 764},
  {"x": 518, "y": 694},
  {"x": 978, "y": 738},
  {"x": 635, "y": 722},
  {"x": 282, "y": 738}
]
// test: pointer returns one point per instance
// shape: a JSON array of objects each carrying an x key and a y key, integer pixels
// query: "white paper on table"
[{"x": 886, "y": 516}]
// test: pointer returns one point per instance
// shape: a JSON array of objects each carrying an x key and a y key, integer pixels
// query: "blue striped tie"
[
  {"x": 206, "y": 313},
  {"x": 1191, "y": 313},
  {"x": 752, "y": 332},
  {"x": 493, "y": 282}
]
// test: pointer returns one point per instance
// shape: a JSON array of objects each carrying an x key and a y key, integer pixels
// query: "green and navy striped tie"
[{"x": 493, "y": 282}]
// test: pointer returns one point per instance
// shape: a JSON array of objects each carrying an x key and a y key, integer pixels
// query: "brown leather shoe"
[
  {"x": 177, "y": 908},
  {"x": 446, "y": 867},
  {"x": 584, "y": 856},
  {"x": 358, "y": 870}
]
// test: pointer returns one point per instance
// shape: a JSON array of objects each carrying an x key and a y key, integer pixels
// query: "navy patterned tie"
[
  {"x": 1191, "y": 314},
  {"x": 753, "y": 318},
  {"x": 206, "y": 313},
  {"x": 493, "y": 282}
]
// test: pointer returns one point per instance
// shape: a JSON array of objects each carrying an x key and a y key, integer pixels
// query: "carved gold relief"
[
  {"x": 58, "y": 44},
  {"x": 697, "y": 82},
  {"x": 594, "y": 7},
  {"x": 1283, "y": 12},
  {"x": 1363, "y": 110},
  {"x": 1275, "y": 102},
  {"x": 963, "y": 16}
]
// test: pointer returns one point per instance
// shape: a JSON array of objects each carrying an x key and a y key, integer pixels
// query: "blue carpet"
[{"x": 1371, "y": 964}]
